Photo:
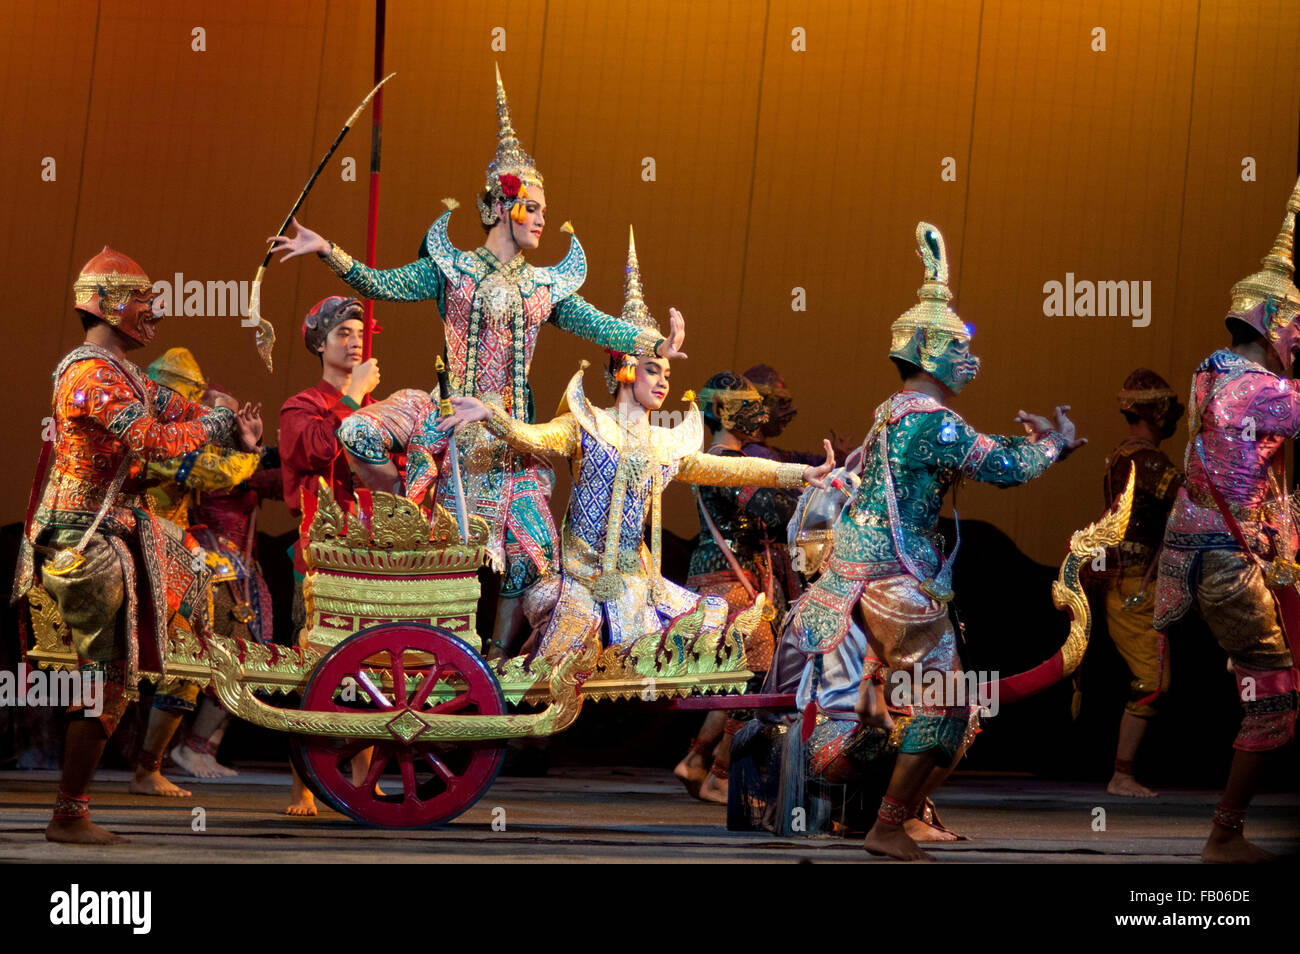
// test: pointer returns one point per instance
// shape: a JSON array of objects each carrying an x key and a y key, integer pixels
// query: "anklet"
[
  {"x": 892, "y": 812},
  {"x": 700, "y": 748},
  {"x": 150, "y": 761},
  {"x": 201, "y": 746},
  {"x": 71, "y": 807},
  {"x": 1233, "y": 819},
  {"x": 1123, "y": 766}
]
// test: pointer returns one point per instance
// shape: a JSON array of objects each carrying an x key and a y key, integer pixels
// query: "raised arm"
[
  {"x": 418, "y": 281},
  {"x": 992, "y": 458},
  {"x": 717, "y": 471},
  {"x": 576, "y": 316}
]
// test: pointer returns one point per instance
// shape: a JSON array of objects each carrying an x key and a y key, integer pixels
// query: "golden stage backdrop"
[{"x": 773, "y": 156}]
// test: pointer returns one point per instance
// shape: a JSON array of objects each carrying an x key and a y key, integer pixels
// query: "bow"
[{"x": 265, "y": 331}]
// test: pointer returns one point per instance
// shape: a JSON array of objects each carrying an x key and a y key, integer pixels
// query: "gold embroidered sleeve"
[
  {"x": 716, "y": 471},
  {"x": 558, "y": 437},
  {"x": 339, "y": 261}
]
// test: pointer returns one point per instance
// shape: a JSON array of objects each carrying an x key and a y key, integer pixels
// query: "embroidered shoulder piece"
[
  {"x": 670, "y": 443},
  {"x": 598, "y": 425},
  {"x": 673, "y": 443},
  {"x": 566, "y": 276},
  {"x": 451, "y": 261},
  {"x": 904, "y": 403},
  {"x": 89, "y": 352}
]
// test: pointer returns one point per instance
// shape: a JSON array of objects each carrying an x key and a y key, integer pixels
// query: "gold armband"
[
  {"x": 499, "y": 423},
  {"x": 339, "y": 261},
  {"x": 790, "y": 476},
  {"x": 646, "y": 341}
]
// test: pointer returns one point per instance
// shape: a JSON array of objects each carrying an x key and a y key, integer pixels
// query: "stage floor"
[{"x": 616, "y": 815}]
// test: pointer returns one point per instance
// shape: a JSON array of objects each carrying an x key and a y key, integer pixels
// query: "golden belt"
[
  {"x": 1251, "y": 514},
  {"x": 864, "y": 519},
  {"x": 91, "y": 493}
]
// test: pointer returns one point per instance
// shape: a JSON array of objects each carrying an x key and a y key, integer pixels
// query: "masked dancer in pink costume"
[{"x": 1230, "y": 543}]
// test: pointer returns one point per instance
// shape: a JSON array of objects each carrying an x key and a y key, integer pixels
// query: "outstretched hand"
[
  {"x": 1036, "y": 426},
  {"x": 816, "y": 476},
  {"x": 248, "y": 426},
  {"x": 303, "y": 240},
  {"x": 465, "y": 410},
  {"x": 671, "y": 348}
]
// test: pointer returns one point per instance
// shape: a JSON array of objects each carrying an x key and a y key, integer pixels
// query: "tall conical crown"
[
  {"x": 1276, "y": 280},
  {"x": 635, "y": 311},
  {"x": 932, "y": 314},
  {"x": 510, "y": 158}
]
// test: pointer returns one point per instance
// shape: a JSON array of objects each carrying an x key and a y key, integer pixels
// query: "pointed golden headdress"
[
  {"x": 510, "y": 161},
  {"x": 932, "y": 314},
  {"x": 635, "y": 313},
  {"x": 923, "y": 334},
  {"x": 1276, "y": 280}
]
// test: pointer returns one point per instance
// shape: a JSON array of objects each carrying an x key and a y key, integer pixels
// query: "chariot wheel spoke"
[
  {"x": 399, "y": 676},
  {"x": 378, "y": 760},
  {"x": 439, "y": 766},
  {"x": 426, "y": 687},
  {"x": 408, "y": 775}
]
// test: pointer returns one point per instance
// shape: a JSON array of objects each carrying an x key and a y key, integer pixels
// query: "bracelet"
[{"x": 339, "y": 261}]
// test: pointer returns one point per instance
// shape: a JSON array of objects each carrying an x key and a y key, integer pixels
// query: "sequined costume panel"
[
  {"x": 501, "y": 484},
  {"x": 139, "y": 571},
  {"x": 1243, "y": 413},
  {"x": 181, "y": 479},
  {"x": 492, "y": 313},
  {"x": 1240, "y": 415},
  {"x": 618, "y": 474},
  {"x": 752, "y": 523},
  {"x": 930, "y": 447}
]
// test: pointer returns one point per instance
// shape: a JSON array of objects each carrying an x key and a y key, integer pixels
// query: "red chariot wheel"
[{"x": 420, "y": 783}]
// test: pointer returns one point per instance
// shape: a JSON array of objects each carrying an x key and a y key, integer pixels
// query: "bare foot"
[
  {"x": 714, "y": 789},
  {"x": 894, "y": 842},
  {"x": 1121, "y": 784},
  {"x": 919, "y": 831},
  {"x": 1231, "y": 848},
  {"x": 304, "y": 804},
  {"x": 301, "y": 800},
  {"x": 191, "y": 762},
  {"x": 219, "y": 771},
  {"x": 81, "y": 831},
  {"x": 153, "y": 783},
  {"x": 692, "y": 771}
]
